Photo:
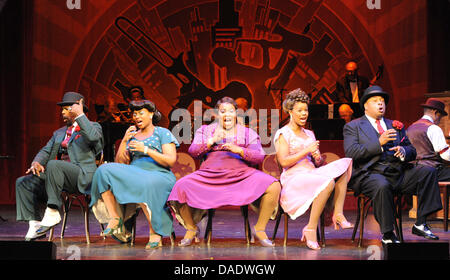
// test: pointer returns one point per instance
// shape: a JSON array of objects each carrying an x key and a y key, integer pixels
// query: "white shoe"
[
  {"x": 33, "y": 226},
  {"x": 51, "y": 217}
]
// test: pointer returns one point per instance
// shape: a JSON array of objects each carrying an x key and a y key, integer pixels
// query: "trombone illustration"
[{"x": 192, "y": 88}]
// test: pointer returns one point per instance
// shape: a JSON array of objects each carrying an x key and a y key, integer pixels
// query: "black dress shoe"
[
  {"x": 389, "y": 238},
  {"x": 424, "y": 231}
]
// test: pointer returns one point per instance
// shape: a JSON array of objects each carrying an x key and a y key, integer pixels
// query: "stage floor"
[{"x": 228, "y": 241}]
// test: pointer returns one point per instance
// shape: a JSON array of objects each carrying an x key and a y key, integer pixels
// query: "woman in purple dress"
[{"x": 225, "y": 176}]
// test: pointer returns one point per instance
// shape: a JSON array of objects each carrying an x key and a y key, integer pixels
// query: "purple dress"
[{"x": 224, "y": 178}]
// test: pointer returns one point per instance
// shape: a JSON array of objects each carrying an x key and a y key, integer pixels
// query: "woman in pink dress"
[
  {"x": 305, "y": 179},
  {"x": 225, "y": 176}
]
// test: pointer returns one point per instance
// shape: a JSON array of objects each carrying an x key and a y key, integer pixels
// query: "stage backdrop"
[{"x": 179, "y": 51}]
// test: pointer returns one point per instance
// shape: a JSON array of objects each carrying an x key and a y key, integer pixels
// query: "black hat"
[
  {"x": 373, "y": 91},
  {"x": 71, "y": 98},
  {"x": 434, "y": 103}
]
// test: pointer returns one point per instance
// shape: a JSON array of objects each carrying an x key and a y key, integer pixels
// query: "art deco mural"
[{"x": 180, "y": 51}]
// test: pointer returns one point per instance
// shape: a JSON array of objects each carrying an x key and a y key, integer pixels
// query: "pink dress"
[
  {"x": 223, "y": 178},
  {"x": 303, "y": 182}
]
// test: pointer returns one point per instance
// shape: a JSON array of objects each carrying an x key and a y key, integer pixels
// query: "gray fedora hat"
[{"x": 71, "y": 98}]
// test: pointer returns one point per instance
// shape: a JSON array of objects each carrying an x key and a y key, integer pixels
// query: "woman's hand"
[
  {"x": 317, "y": 156},
  {"x": 313, "y": 148},
  {"x": 131, "y": 131},
  {"x": 136, "y": 146},
  {"x": 233, "y": 148},
  {"x": 219, "y": 134}
]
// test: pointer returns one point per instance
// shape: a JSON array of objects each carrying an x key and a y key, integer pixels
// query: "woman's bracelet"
[
  {"x": 242, "y": 153},
  {"x": 210, "y": 142},
  {"x": 145, "y": 150}
]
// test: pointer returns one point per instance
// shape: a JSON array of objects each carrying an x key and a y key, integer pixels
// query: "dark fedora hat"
[
  {"x": 71, "y": 98},
  {"x": 373, "y": 91},
  {"x": 434, "y": 103}
]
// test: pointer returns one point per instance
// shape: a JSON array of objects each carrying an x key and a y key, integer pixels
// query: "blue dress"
[{"x": 141, "y": 181}]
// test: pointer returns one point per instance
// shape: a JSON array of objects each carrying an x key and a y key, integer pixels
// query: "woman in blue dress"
[{"x": 140, "y": 174}]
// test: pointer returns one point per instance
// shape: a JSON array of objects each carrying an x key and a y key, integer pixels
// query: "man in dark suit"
[
  {"x": 66, "y": 162},
  {"x": 352, "y": 86},
  {"x": 381, "y": 168}
]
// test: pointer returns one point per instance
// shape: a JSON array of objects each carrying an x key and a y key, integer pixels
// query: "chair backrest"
[
  {"x": 271, "y": 166},
  {"x": 184, "y": 165},
  {"x": 330, "y": 157},
  {"x": 99, "y": 159}
]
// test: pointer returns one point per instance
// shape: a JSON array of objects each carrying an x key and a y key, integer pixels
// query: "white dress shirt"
[
  {"x": 354, "y": 89},
  {"x": 437, "y": 138},
  {"x": 374, "y": 124}
]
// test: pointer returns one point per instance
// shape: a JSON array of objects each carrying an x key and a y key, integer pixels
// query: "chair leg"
[
  {"x": 277, "y": 223},
  {"x": 286, "y": 219},
  {"x": 398, "y": 226},
  {"x": 358, "y": 215},
  {"x": 66, "y": 207},
  {"x": 244, "y": 210},
  {"x": 446, "y": 207},
  {"x": 172, "y": 239},
  {"x": 208, "y": 231},
  {"x": 361, "y": 221},
  {"x": 133, "y": 228},
  {"x": 322, "y": 230},
  {"x": 86, "y": 224}
]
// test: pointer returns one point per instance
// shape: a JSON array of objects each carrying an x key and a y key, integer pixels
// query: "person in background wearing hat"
[
  {"x": 429, "y": 140},
  {"x": 352, "y": 86},
  {"x": 381, "y": 166},
  {"x": 66, "y": 162},
  {"x": 136, "y": 93}
]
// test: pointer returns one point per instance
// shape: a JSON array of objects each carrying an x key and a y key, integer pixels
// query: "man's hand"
[
  {"x": 77, "y": 108},
  {"x": 36, "y": 168},
  {"x": 399, "y": 151},
  {"x": 388, "y": 135}
]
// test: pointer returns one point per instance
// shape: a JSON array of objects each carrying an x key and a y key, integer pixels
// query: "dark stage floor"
[{"x": 228, "y": 240}]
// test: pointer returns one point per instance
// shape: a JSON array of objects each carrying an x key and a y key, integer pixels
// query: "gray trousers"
[{"x": 33, "y": 192}]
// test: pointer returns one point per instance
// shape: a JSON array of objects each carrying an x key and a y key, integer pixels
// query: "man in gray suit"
[
  {"x": 66, "y": 162},
  {"x": 381, "y": 155}
]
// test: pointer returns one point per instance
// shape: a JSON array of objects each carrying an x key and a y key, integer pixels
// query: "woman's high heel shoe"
[
  {"x": 342, "y": 222},
  {"x": 311, "y": 244},
  {"x": 188, "y": 241},
  {"x": 119, "y": 229},
  {"x": 153, "y": 245},
  {"x": 264, "y": 242}
]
